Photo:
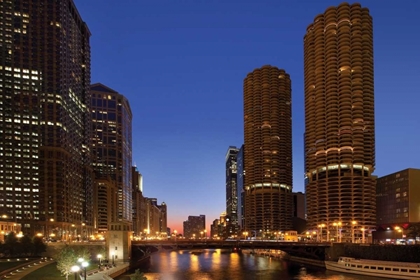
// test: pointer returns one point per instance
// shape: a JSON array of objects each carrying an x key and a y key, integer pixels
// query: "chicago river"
[{"x": 216, "y": 264}]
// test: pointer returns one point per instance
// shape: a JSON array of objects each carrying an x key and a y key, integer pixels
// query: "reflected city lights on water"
[{"x": 221, "y": 264}]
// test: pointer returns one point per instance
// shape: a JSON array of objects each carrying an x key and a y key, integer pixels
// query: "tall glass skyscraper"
[
  {"x": 232, "y": 191},
  {"x": 112, "y": 146},
  {"x": 340, "y": 120},
  {"x": 268, "y": 151},
  {"x": 45, "y": 180}
]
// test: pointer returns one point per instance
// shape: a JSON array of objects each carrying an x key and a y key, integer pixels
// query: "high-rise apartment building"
[
  {"x": 339, "y": 119},
  {"x": 268, "y": 150},
  {"x": 232, "y": 190},
  {"x": 112, "y": 146},
  {"x": 45, "y": 181}
]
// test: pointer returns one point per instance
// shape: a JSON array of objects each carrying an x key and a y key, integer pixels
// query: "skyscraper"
[
  {"x": 46, "y": 180},
  {"x": 268, "y": 150},
  {"x": 339, "y": 119},
  {"x": 232, "y": 190},
  {"x": 112, "y": 145}
]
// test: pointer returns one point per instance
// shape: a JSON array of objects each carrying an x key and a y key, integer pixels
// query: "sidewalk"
[
  {"x": 18, "y": 274},
  {"x": 105, "y": 274}
]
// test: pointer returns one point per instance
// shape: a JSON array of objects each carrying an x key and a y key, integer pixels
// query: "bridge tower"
[{"x": 118, "y": 242}]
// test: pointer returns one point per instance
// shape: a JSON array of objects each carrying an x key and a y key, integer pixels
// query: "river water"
[{"x": 220, "y": 265}]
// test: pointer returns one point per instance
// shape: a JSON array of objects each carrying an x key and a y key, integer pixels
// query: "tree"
[
  {"x": 66, "y": 258},
  {"x": 138, "y": 275},
  {"x": 25, "y": 246},
  {"x": 38, "y": 246},
  {"x": 414, "y": 230},
  {"x": 10, "y": 244}
]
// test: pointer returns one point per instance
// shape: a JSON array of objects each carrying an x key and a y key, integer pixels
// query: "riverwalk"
[{"x": 96, "y": 274}]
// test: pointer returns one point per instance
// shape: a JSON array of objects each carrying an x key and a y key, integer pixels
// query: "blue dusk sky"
[{"x": 181, "y": 64}]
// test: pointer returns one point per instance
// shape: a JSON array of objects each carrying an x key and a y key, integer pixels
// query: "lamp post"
[
  {"x": 75, "y": 269},
  {"x": 201, "y": 234},
  {"x": 175, "y": 232},
  {"x": 99, "y": 256},
  {"x": 85, "y": 265},
  {"x": 353, "y": 223},
  {"x": 205, "y": 233},
  {"x": 363, "y": 234},
  {"x": 320, "y": 231},
  {"x": 245, "y": 234},
  {"x": 113, "y": 259},
  {"x": 338, "y": 234}
]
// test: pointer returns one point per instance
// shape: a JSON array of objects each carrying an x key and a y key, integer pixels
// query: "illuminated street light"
[
  {"x": 353, "y": 223},
  {"x": 99, "y": 258},
  {"x": 338, "y": 232},
  {"x": 75, "y": 269},
  {"x": 320, "y": 232},
  {"x": 363, "y": 234},
  {"x": 85, "y": 265}
]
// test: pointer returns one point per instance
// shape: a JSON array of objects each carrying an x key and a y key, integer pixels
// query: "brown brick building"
[{"x": 339, "y": 119}]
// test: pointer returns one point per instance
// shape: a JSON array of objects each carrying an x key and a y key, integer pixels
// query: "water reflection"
[{"x": 220, "y": 265}]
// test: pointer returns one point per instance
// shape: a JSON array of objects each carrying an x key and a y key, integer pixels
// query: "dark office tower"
[
  {"x": 339, "y": 119},
  {"x": 45, "y": 126},
  {"x": 112, "y": 145},
  {"x": 232, "y": 190},
  {"x": 268, "y": 150},
  {"x": 240, "y": 186}
]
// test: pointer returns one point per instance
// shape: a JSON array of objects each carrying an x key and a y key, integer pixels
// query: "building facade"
[
  {"x": 112, "y": 146},
  {"x": 232, "y": 189},
  {"x": 46, "y": 184},
  {"x": 195, "y": 227},
  {"x": 339, "y": 119},
  {"x": 139, "y": 204},
  {"x": 268, "y": 150},
  {"x": 398, "y": 199}
]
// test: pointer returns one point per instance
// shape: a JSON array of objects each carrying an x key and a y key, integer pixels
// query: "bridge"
[{"x": 307, "y": 250}]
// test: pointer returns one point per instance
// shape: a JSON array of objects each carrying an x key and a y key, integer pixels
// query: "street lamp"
[
  {"x": 353, "y": 223},
  {"x": 113, "y": 259},
  {"x": 363, "y": 234},
  {"x": 85, "y": 265},
  {"x": 75, "y": 269},
  {"x": 338, "y": 234},
  {"x": 320, "y": 231},
  {"x": 99, "y": 258},
  {"x": 201, "y": 234},
  {"x": 205, "y": 234},
  {"x": 246, "y": 234},
  {"x": 175, "y": 232}
]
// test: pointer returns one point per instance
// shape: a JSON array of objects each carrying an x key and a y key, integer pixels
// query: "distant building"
[
  {"x": 240, "y": 186},
  {"x": 232, "y": 190},
  {"x": 299, "y": 212},
  {"x": 299, "y": 209},
  {"x": 214, "y": 229},
  {"x": 398, "y": 199},
  {"x": 268, "y": 150},
  {"x": 194, "y": 226},
  {"x": 140, "y": 218},
  {"x": 156, "y": 215}
]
